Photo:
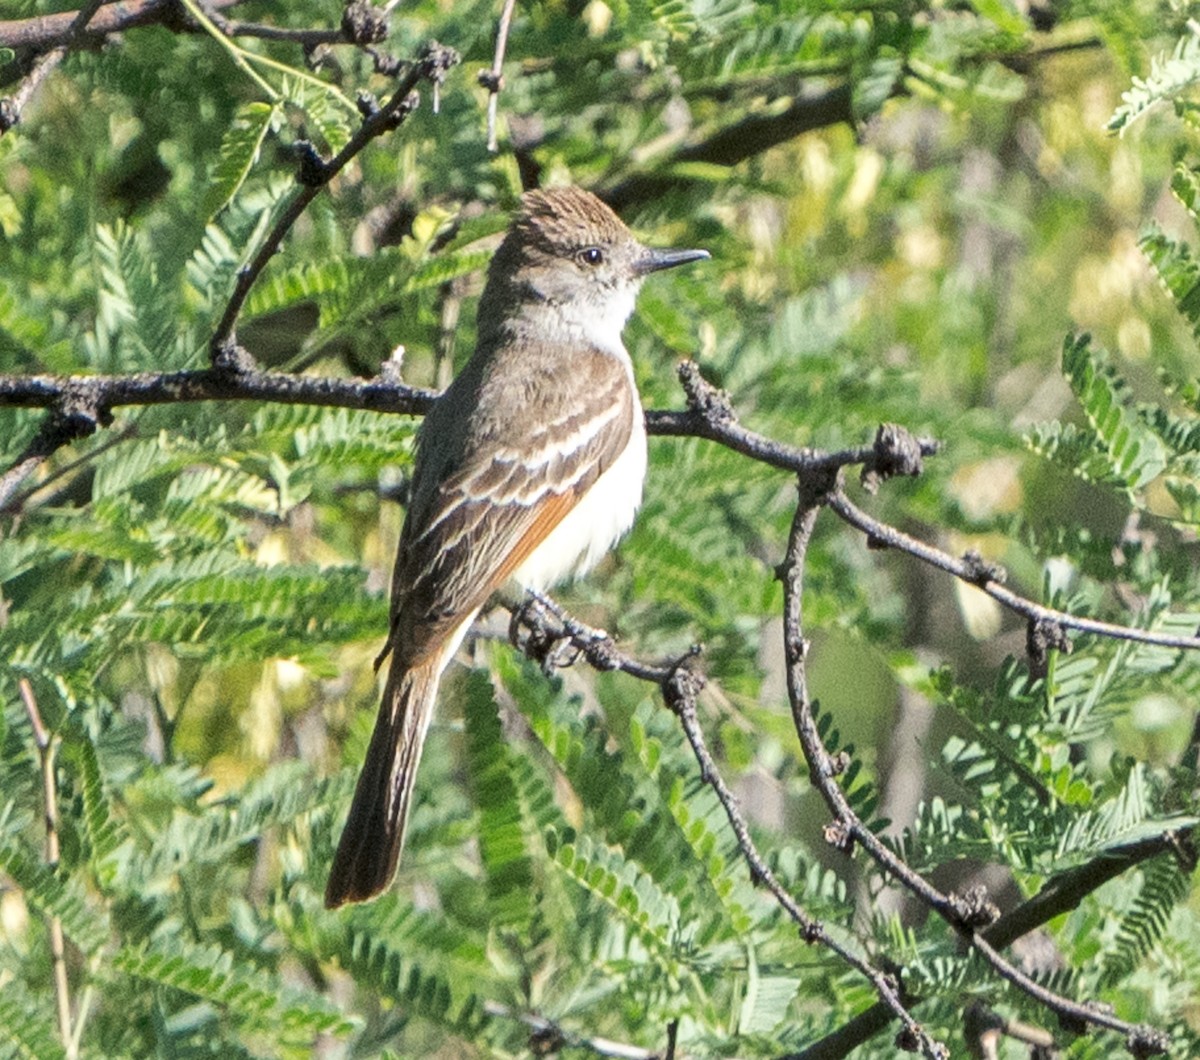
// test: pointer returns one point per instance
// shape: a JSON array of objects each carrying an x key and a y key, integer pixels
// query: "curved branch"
[
  {"x": 968, "y": 914},
  {"x": 315, "y": 173},
  {"x": 52, "y": 31},
  {"x": 984, "y": 578},
  {"x": 739, "y": 141},
  {"x": 43, "y": 66},
  {"x": 548, "y": 626}
]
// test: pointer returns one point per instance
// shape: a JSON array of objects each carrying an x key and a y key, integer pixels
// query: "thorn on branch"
[
  {"x": 704, "y": 399},
  {"x": 684, "y": 682},
  {"x": 797, "y": 648},
  {"x": 492, "y": 82},
  {"x": 975, "y": 908},
  {"x": 312, "y": 171},
  {"x": 897, "y": 452},
  {"x": 229, "y": 357},
  {"x": 391, "y": 369},
  {"x": 364, "y": 24},
  {"x": 77, "y": 415},
  {"x": 1147, "y": 1041},
  {"x": 367, "y": 104},
  {"x": 979, "y": 571},
  {"x": 812, "y": 932},
  {"x": 839, "y": 835},
  {"x": 387, "y": 65},
  {"x": 546, "y": 1041},
  {"x": 437, "y": 60},
  {"x": 1042, "y": 635},
  {"x": 837, "y": 764},
  {"x": 601, "y": 654},
  {"x": 316, "y": 55},
  {"x": 410, "y": 103}
]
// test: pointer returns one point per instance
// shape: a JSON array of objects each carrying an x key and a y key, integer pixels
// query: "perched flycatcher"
[{"x": 529, "y": 468}]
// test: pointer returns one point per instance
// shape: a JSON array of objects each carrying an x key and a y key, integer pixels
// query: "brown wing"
[{"x": 508, "y": 451}]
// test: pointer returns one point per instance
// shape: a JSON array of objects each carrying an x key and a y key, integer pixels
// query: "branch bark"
[{"x": 51, "y": 31}]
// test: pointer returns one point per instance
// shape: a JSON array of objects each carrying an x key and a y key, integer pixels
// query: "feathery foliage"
[{"x": 909, "y": 207}]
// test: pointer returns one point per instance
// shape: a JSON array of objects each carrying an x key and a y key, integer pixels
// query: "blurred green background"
[{"x": 910, "y": 207}]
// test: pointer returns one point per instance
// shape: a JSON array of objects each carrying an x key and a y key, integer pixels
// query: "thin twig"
[
  {"x": 50, "y": 31},
  {"x": 679, "y": 684},
  {"x": 46, "y": 747},
  {"x": 823, "y": 768},
  {"x": 967, "y": 914},
  {"x": 882, "y": 535},
  {"x": 550, "y": 1036},
  {"x": 57, "y": 429},
  {"x": 306, "y": 38},
  {"x": 24, "y": 466},
  {"x": 19, "y": 503},
  {"x": 12, "y": 106},
  {"x": 315, "y": 174},
  {"x": 493, "y": 79}
]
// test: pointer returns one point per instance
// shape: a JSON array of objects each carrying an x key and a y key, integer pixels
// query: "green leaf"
[
  {"x": 239, "y": 151},
  {"x": 219, "y": 977},
  {"x": 1174, "y": 263},
  {"x": 1170, "y": 75},
  {"x": 501, "y": 835},
  {"x": 54, "y": 894},
  {"x": 767, "y": 1000},
  {"x": 1135, "y": 455},
  {"x": 104, "y": 831},
  {"x": 27, "y": 1030}
]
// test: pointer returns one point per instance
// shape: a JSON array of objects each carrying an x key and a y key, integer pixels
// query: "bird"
[{"x": 529, "y": 468}]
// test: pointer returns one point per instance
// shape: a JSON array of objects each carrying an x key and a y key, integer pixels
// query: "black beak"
[{"x": 654, "y": 260}]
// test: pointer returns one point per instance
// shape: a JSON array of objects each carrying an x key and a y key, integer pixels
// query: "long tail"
[{"x": 374, "y": 833}]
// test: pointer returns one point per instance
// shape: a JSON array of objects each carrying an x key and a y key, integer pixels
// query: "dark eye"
[{"x": 591, "y": 256}]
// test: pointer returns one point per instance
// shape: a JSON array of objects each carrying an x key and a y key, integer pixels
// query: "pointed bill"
[{"x": 653, "y": 260}]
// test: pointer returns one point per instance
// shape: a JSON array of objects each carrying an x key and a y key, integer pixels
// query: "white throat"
[{"x": 599, "y": 322}]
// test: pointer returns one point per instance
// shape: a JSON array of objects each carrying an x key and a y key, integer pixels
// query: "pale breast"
[{"x": 596, "y": 522}]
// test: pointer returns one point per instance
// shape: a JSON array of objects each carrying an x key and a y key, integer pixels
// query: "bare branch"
[
  {"x": 969, "y": 913},
  {"x": 51, "y": 31},
  {"x": 25, "y": 465},
  {"x": 1065, "y": 892},
  {"x": 46, "y": 746},
  {"x": 1061, "y": 894},
  {"x": 710, "y": 415},
  {"x": 314, "y": 174},
  {"x": 493, "y": 79},
  {"x": 987, "y": 579},
  {"x": 43, "y": 65},
  {"x": 68, "y": 419},
  {"x": 81, "y": 404},
  {"x": 679, "y": 682}
]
